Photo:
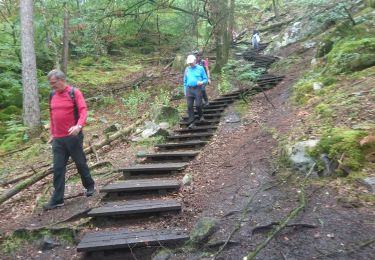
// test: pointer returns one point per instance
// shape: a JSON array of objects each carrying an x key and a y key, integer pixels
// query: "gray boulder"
[
  {"x": 152, "y": 129},
  {"x": 300, "y": 159}
]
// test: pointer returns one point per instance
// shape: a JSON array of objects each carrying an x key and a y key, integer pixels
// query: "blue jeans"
[{"x": 63, "y": 148}]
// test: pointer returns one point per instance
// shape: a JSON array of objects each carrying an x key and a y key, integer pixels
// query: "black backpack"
[{"x": 72, "y": 96}]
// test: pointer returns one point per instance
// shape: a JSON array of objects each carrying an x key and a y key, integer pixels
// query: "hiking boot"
[
  {"x": 90, "y": 192},
  {"x": 52, "y": 205}
]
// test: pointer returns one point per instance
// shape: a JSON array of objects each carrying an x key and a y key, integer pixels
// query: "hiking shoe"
[
  {"x": 90, "y": 192},
  {"x": 191, "y": 126},
  {"x": 52, "y": 205},
  {"x": 202, "y": 119}
]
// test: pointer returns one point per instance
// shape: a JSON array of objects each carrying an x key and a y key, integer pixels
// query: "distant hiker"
[
  {"x": 255, "y": 39},
  {"x": 194, "y": 79},
  {"x": 204, "y": 63},
  {"x": 68, "y": 112}
]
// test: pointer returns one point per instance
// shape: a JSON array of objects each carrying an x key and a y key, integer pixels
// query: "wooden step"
[
  {"x": 123, "y": 238},
  {"x": 141, "y": 185},
  {"x": 198, "y": 129},
  {"x": 206, "y": 116},
  {"x": 211, "y": 111},
  {"x": 225, "y": 98},
  {"x": 182, "y": 145},
  {"x": 166, "y": 156},
  {"x": 135, "y": 207},
  {"x": 202, "y": 123},
  {"x": 213, "y": 103},
  {"x": 183, "y": 137},
  {"x": 154, "y": 168},
  {"x": 215, "y": 106}
]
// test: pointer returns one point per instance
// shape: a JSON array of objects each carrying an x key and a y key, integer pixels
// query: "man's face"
[
  {"x": 57, "y": 84},
  {"x": 192, "y": 64}
]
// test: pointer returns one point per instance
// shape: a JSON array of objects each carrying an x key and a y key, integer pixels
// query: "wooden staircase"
[{"x": 171, "y": 158}]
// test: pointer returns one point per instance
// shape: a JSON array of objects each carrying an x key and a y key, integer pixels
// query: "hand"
[
  {"x": 199, "y": 83},
  {"x": 50, "y": 140},
  {"x": 209, "y": 82},
  {"x": 74, "y": 130}
]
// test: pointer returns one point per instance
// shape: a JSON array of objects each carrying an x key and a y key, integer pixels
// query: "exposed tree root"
[
  {"x": 272, "y": 224},
  {"x": 283, "y": 223}
]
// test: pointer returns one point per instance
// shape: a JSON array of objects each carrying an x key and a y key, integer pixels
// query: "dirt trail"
[{"x": 238, "y": 164}]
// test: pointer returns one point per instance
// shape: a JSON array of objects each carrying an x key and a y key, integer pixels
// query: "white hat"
[{"x": 190, "y": 59}]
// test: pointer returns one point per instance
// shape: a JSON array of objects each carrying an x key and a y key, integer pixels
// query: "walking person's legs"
[
  {"x": 75, "y": 147},
  {"x": 204, "y": 96},
  {"x": 60, "y": 159},
  {"x": 190, "y": 104},
  {"x": 198, "y": 102}
]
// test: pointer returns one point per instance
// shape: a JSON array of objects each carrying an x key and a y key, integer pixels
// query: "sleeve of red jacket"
[{"x": 82, "y": 108}]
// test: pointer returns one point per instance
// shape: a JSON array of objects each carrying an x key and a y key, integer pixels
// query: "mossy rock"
[
  {"x": 352, "y": 55},
  {"x": 324, "y": 48},
  {"x": 201, "y": 232},
  {"x": 337, "y": 143}
]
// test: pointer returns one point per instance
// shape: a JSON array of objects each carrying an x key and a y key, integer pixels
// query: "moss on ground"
[{"x": 23, "y": 236}]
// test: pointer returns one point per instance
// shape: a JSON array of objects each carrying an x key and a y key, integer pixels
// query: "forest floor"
[{"x": 238, "y": 181}]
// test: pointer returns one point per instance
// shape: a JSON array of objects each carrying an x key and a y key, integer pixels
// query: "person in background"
[
  {"x": 255, "y": 39},
  {"x": 194, "y": 80},
  {"x": 204, "y": 63},
  {"x": 68, "y": 112}
]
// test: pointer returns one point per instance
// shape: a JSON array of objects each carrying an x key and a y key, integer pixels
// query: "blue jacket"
[{"x": 194, "y": 74}]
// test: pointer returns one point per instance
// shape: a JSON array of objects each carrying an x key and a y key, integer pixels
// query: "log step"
[
  {"x": 135, "y": 207},
  {"x": 154, "y": 168},
  {"x": 197, "y": 129},
  {"x": 182, "y": 145},
  {"x": 141, "y": 185},
  {"x": 182, "y": 156},
  {"x": 123, "y": 238}
]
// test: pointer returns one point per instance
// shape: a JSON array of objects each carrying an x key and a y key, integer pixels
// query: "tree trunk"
[
  {"x": 65, "y": 40},
  {"x": 31, "y": 110},
  {"x": 220, "y": 12}
]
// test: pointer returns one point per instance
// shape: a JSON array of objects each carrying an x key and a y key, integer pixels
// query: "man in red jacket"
[{"x": 68, "y": 112}]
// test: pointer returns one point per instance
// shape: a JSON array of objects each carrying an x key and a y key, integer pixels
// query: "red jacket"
[{"x": 62, "y": 111}]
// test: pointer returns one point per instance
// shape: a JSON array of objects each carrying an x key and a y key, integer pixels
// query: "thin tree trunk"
[
  {"x": 275, "y": 9},
  {"x": 65, "y": 40},
  {"x": 31, "y": 110}
]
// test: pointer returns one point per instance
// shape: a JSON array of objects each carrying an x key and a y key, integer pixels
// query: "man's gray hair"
[{"x": 58, "y": 74}]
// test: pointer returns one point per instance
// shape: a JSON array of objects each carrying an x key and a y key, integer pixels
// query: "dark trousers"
[
  {"x": 204, "y": 95},
  {"x": 194, "y": 94},
  {"x": 63, "y": 148}
]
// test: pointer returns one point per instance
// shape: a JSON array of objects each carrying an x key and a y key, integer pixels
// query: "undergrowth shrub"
[{"x": 134, "y": 99}]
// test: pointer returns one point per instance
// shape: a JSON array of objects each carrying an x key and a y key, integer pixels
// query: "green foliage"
[
  {"x": 133, "y": 100},
  {"x": 224, "y": 86},
  {"x": 87, "y": 61},
  {"x": 242, "y": 71},
  {"x": 324, "y": 110},
  {"x": 337, "y": 142},
  {"x": 151, "y": 141},
  {"x": 15, "y": 134}
]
